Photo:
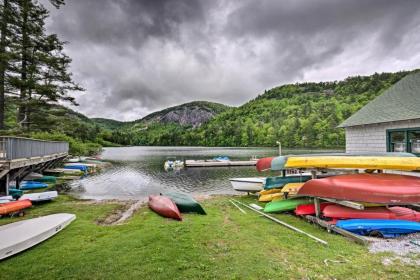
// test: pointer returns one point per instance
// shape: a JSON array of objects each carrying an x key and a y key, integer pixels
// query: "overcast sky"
[{"x": 135, "y": 57}]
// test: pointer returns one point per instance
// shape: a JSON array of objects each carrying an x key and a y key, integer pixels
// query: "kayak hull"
[
  {"x": 285, "y": 205},
  {"x": 32, "y": 185},
  {"x": 374, "y": 188},
  {"x": 164, "y": 206},
  {"x": 14, "y": 206},
  {"x": 185, "y": 203},
  {"x": 247, "y": 184},
  {"x": 19, "y": 236},
  {"x": 279, "y": 182},
  {"x": 386, "y": 228},
  {"x": 39, "y": 197},
  {"x": 309, "y": 209},
  {"x": 338, "y": 212}
]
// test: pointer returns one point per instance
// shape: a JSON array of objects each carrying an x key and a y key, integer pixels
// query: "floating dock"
[{"x": 221, "y": 163}]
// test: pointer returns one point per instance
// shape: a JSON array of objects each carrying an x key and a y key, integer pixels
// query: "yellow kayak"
[
  {"x": 270, "y": 197},
  {"x": 264, "y": 192},
  {"x": 358, "y": 162},
  {"x": 291, "y": 189}
]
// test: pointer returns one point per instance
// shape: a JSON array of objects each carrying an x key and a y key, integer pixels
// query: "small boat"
[
  {"x": 373, "y": 188},
  {"x": 39, "y": 197},
  {"x": 280, "y": 181},
  {"x": 291, "y": 189},
  {"x": 247, "y": 184},
  {"x": 19, "y": 236},
  {"x": 309, "y": 209},
  {"x": 164, "y": 206},
  {"x": 46, "y": 179},
  {"x": 15, "y": 193},
  {"x": 5, "y": 199},
  {"x": 73, "y": 160},
  {"x": 383, "y": 228},
  {"x": 32, "y": 185},
  {"x": 221, "y": 158},
  {"x": 285, "y": 205},
  {"x": 338, "y": 212},
  {"x": 33, "y": 176},
  {"x": 80, "y": 167},
  {"x": 173, "y": 163},
  {"x": 10, "y": 208},
  {"x": 407, "y": 163},
  {"x": 271, "y": 191},
  {"x": 185, "y": 203},
  {"x": 270, "y": 197}
]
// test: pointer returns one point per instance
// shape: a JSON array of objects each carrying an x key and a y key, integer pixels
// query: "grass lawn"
[{"x": 225, "y": 244}]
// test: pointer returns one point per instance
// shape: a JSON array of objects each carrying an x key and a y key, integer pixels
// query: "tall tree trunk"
[
  {"x": 3, "y": 61},
  {"x": 24, "y": 61}
]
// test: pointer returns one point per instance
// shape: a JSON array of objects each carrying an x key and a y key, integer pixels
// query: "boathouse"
[{"x": 390, "y": 122}]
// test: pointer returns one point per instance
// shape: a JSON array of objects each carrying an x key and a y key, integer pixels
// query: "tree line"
[{"x": 34, "y": 69}]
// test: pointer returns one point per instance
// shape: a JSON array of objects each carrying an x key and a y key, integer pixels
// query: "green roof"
[{"x": 400, "y": 102}]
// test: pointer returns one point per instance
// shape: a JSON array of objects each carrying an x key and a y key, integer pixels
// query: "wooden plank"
[
  {"x": 317, "y": 204},
  {"x": 346, "y": 203},
  {"x": 354, "y": 237}
]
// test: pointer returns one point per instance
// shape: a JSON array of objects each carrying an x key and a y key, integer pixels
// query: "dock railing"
[{"x": 12, "y": 148}]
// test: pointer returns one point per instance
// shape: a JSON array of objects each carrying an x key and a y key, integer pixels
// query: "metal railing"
[{"x": 18, "y": 148}]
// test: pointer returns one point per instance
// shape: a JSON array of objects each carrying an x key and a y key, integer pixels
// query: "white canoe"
[
  {"x": 5, "y": 199},
  {"x": 19, "y": 236},
  {"x": 247, "y": 184},
  {"x": 33, "y": 175},
  {"x": 41, "y": 196}
]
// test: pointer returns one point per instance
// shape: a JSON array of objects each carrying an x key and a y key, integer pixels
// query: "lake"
[{"x": 138, "y": 172}]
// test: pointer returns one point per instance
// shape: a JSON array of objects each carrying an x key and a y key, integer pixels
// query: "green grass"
[{"x": 225, "y": 244}]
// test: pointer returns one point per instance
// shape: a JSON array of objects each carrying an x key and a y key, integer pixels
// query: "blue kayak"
[
  {"x": 32, "y": 185},
  {"x": 280, "y": 181},
  {"x": 80, "y": 167},
  {"x": 386, "y": 228}
]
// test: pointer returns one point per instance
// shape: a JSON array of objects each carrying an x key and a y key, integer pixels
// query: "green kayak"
[
  {"x": 15, "y": 193},
  {"x": 285, "y": 205},
  {"x": 280, "y": 181},
  {"x": 185, "y": 202},
  {"x": 46, "y": 179}
]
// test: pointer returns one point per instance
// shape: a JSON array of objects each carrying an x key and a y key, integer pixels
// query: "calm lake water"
[{"x": 138, "y": 172}]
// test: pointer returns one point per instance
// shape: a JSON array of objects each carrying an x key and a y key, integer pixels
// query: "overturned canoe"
[
  {"x": 285, "y": 205},
  {"x": 46, "y": 179},
  {"x": 19, "y": 236},
  {"x": 338, "y": 212},
  {"x": 385, "y": 228},
  {"x": 164, "y": 206},
  {"x": 356, "y": 162},
  {"x": 39, "y": 197},
  {"x": 32, "y": 185},
  {"x": 185, "y": 203},
  {"x": 270, "y": 197},
  {"x": 14, "y": 206},
  {"x": 15, "y": 193},
  {"x": 374, "y": 188},
  {"x": 309, "y": 209},
  {"x": 280, "y": 181}
]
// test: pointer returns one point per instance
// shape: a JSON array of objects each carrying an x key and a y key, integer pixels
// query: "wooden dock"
[{"x": 221, "y": 163}]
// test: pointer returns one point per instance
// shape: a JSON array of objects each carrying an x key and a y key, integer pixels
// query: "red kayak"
[
  {"x": 338, "y": 212},
  {"x": 309, "y": 209},
  {"x": 374, "y": 188},
  {"x": 164, "y": 206},
  {"x": 14, "y": 206}
]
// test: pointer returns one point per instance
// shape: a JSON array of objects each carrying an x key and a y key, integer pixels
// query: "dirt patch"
[{"x": 123, "y": 212}]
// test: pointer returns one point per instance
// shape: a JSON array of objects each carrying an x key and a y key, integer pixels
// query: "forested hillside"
[{"x": 299, "y": 115}]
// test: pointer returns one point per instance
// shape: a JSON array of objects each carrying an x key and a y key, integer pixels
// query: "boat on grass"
[
  {"x": 285, "y": 205},
  {"x": 373, "y": 188},
  {"x": 185, "y": 203},
  {"x": 338, "y": 212},
  {"x": 19, "y": 236},
  {"x": 381, "y": 228},
  {"x": 247, "y": 184},
  {"x": 14, "y": 207},
  {"x": 164, "y": 206},
  {"x": 40, "y": 197}
]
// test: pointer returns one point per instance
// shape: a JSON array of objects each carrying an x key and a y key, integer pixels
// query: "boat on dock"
[
  {"x": 22, "y": 235},
  {"x": 247, "y": 184}
]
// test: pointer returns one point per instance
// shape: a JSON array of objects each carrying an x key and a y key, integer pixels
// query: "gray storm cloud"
[{"x": 135, "y": 57}]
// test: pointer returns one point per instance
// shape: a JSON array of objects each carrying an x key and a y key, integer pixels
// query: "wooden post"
[{"x": 279, "y": 143}]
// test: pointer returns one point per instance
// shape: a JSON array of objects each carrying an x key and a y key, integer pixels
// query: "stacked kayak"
[
  {"x": 39, "y": 197},
  {"x": 164, "y": 206},
  {"x": 383, "y": 228},
  {"x": 285, "y": 205},
  {"x": 185, "y": 203},
  {"x": 281, "y": 181},
  {"x": 12, "y": 207},
  {"x": 80, "y": 167},
  {"x": 32, "y": 185},
  {"x": 46, "y": 179}
]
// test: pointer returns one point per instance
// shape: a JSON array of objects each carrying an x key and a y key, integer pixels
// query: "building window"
[{"x": 404, "y": 140}]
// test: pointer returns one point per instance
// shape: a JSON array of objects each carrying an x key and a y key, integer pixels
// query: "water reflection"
[{"x": 138, "y": 172}]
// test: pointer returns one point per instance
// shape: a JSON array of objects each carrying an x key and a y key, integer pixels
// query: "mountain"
[
  {"x": 298, "y": 115},
  {"x": 109, "y": 124},
  {"x": 189, "y": 114}
]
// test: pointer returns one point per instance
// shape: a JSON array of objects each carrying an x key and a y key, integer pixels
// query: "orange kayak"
[{"x": 14, "y": 206}]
